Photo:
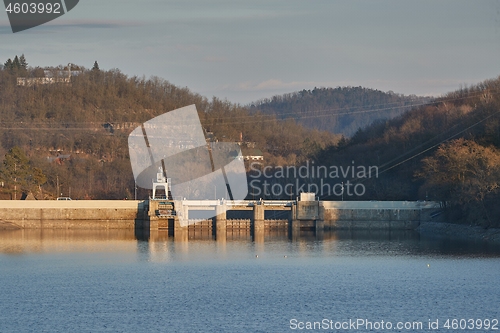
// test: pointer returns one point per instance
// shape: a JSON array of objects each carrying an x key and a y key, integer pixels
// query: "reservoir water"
[{"x": 126, "y": 281}]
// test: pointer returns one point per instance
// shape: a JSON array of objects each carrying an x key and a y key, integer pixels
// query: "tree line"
[
  {"x": 341, "y": 110},
  {"x": 18, "y": 64}
]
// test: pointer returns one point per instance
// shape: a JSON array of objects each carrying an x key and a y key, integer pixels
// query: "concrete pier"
[
  {"x": 258, "y": 217},
  {"x": 258, "y": 236},
  {"x": 319, "y": 228},
  {"x": 295, "y": 223},
  {"x": 220, "y": 222}
]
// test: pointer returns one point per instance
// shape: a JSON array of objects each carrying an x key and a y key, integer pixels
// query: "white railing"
[{"x": 379, "y": 204}]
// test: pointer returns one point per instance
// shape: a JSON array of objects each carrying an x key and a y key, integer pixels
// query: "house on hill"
[
  {"x": 49, "y": 77},
  {"x": 251, "y": 154}
]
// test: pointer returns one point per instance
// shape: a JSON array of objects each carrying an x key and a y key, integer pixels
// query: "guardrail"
[{"x": 231, "y": 203}]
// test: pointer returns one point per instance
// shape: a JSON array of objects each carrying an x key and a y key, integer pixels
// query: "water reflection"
[
  {"x": 161, "y": 245},
  {"x": 144, "y": 281},
  {"x": 21, "y": 241}
]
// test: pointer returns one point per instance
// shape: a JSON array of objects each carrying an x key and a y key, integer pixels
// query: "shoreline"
[{"x": 459, "y": 231}]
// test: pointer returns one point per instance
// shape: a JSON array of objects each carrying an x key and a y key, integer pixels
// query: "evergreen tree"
[
  {"x": 37, "y": 178},
  {"x": 8, "y": 64},
  {"x": 15, "y": 169},
  {"x": 96, "y": 66},
  {"x": 22, "y": 62},
  {"x": 16, "y": 64}
]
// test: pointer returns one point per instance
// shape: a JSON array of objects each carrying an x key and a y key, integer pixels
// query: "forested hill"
[
  {"x": 75, "y": 132},
  {"x": 338, "y": 110},
  {"x": 448, "y": 150}
]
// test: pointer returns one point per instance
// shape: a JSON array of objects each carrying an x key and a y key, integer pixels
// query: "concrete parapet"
[{"x": 71, "y": 204}]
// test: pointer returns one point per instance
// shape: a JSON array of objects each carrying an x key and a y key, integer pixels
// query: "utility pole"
[
  {"x": 342, "y": 191},
  {"x": 69, "y": 72},
  {"x": 15, "y": 181}
]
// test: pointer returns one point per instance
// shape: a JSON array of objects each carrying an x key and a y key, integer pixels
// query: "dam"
[{"x": 179, "y": 215}]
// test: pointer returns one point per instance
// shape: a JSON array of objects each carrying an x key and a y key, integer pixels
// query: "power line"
[
  {"x": 437, "y": 144},
  {"x": 253, "y": 118},
  {"x": 425, "y": 150}
]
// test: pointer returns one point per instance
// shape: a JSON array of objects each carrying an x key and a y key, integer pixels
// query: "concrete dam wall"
[
  {"x": 375, "y": 214},
  {"x": 81, "y": 214},
  {"x": 130, "y": 214}
]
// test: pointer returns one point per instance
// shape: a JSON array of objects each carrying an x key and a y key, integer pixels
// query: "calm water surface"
[{"x": 125, "y": 281}]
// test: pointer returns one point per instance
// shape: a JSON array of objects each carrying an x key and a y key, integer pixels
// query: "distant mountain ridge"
[{"x": 341, "y": 110}]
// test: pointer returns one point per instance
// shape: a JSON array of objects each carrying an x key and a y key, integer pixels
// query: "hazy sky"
[{"x": 244, "y": 50}]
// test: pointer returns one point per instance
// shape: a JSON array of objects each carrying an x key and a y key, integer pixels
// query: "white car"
[{"x": 63, "y": 198}]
